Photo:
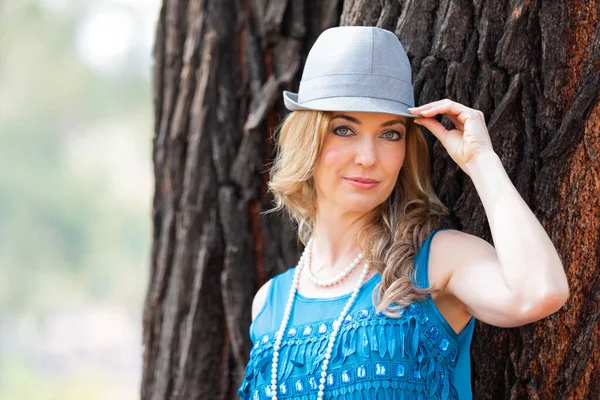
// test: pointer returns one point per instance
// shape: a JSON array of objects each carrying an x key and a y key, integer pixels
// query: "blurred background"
[{"x": 76, "y": 185}]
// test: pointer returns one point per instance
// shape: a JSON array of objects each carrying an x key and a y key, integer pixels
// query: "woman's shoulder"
[
  {"x": 261, "y": 295},
  {"x": 449, "y": 241},
  {"x": 449, "y": 250}
]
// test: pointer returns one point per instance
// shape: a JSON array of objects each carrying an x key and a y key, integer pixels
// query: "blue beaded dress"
[{"x": 415, "y": 356}]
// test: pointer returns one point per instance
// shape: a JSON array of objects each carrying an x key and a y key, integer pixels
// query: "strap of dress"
[{"x": 422, "y": 260}]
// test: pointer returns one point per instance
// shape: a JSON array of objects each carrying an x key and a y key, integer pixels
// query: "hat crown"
[
  {"x": 357, "y": 50},
  {"x": 355, "y": 68}
]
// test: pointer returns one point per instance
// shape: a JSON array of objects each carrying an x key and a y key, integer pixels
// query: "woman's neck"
[{"x": 335, "y": 243}]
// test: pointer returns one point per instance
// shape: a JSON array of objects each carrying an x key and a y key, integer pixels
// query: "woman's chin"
[{"x": 360, "y": 206}]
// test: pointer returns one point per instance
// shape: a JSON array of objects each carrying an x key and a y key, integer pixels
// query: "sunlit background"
[{"x": 75, "y": 195}]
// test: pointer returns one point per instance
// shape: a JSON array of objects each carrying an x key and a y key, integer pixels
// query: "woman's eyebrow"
[
  {"x": 356, "y": 121},
  {"x": 347, "y": 118},
  {"x": 394, "y": 122}
]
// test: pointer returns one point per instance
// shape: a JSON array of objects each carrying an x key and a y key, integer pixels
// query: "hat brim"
[{"x": 356, "y": 104}]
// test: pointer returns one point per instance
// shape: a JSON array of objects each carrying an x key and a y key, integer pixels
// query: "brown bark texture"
[{"x": 531, "y": 66}]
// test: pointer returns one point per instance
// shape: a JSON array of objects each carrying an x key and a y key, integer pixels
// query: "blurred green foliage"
[
  {"x": 55, "y": 220},
  {"x": 75, "y": 173}
]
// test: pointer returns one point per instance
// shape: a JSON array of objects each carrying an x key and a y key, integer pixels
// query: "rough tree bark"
[{"x": 531, "y": 66}]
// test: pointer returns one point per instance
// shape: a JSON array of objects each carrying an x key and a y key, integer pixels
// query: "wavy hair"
[{"x": 393, "y": 231}]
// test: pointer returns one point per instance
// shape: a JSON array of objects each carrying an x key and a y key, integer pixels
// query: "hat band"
[{"x": 356, "y": 85}]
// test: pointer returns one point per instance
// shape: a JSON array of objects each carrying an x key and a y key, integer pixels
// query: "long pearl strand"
[
  {"x": 286, "y": 316},
  {"x": 338, "y": 278}
]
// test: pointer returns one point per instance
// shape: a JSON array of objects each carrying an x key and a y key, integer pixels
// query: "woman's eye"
[
  {"x": 342, "y": 131},
  {"x": 389, "y": 135},
  {"x": 392, "y": 135}
]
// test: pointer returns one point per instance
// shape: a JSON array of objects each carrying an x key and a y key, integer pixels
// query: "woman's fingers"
[
  {"x": 451, "y": 108},
  {"x": 462, "y": 143},
  {"x": 438, "y": 130},
  {"x": 455, "y": 109},
  {"x": 428, "y": 105},
  {"x": 455, "y": 121}
]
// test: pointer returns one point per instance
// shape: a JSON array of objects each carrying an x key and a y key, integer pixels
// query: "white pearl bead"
[
  {"x": 305, "y": 258},
  {"x": 338, "y": 278}
]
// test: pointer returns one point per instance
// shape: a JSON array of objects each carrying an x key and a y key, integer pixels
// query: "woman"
[{"x": 382, "y": 302}]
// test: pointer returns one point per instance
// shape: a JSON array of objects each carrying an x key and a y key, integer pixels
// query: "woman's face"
[{"x": 359, "y": 146}]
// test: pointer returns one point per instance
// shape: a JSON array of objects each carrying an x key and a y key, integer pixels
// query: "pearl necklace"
[
  {"x": 286, "y": 316},
  {"x": 338, "y": 278}
]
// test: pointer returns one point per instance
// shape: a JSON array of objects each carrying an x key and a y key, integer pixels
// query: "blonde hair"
[{"x": 393, "y": 231}]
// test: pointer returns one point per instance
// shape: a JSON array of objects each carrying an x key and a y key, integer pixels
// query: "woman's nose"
[{"x": 365, "y": 154}]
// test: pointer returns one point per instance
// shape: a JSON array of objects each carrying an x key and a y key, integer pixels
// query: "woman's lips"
[{"x": 361, "y": 185}]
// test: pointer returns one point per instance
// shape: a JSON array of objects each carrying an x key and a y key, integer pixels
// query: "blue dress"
[{"x": 415, "y": 356}]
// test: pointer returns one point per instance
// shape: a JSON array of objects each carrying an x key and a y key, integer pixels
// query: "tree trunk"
[{"x": 532, "y": 67}]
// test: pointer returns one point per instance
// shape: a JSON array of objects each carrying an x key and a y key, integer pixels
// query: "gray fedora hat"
[{"x": 355, "y": 68}]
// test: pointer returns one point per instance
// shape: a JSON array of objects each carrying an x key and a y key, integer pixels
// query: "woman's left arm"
[{"x": 525, "y": 275}]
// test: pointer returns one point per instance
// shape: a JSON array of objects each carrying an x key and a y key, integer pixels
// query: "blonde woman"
[{"x": 382, "y": 303}]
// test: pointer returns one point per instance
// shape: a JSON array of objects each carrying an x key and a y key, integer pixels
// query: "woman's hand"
[{"x": 467, "y": 141}]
